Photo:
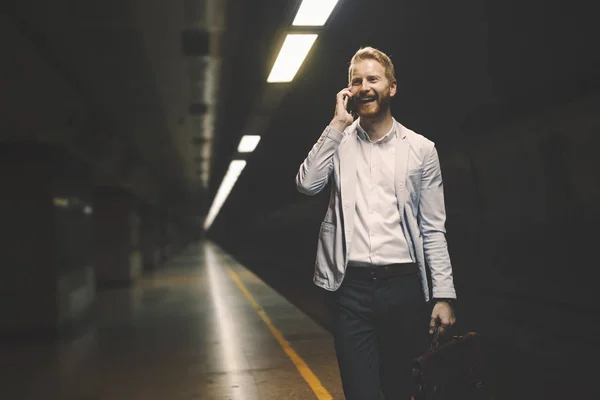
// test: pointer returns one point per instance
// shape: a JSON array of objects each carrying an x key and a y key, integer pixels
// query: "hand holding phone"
[{"x": 344, "y": 110}]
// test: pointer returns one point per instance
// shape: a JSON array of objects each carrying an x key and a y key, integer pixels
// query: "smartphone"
[{"x": 351, "y": 106}]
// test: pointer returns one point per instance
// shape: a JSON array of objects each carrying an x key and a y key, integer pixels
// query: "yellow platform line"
[{"x": 305, "y": 371}]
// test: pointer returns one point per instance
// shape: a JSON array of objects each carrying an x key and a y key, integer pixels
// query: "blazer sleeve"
[
  {"x": 314, "y": 172},
  {"x": 432, "y": 219}
]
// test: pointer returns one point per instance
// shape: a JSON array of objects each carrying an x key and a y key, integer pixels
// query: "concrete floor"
[{"x": 203, "y": 328}]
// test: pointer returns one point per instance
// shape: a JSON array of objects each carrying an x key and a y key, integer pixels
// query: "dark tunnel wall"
[
  {"x": 47, "y": 239},
  {"x": 72, "y": 129},
  {"x": 510, "y": 92}
]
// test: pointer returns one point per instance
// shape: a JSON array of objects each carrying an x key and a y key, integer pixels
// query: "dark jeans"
[{"x": 379, "y": 325}]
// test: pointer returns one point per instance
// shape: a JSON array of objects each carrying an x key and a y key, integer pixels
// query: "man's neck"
[{"x": 377, "y": 127}]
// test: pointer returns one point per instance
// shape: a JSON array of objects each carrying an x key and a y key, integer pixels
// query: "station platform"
[{"x": 204, "y": 327}]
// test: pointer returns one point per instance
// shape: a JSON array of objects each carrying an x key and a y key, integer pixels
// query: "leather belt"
[{"x": 382, "y": 271}]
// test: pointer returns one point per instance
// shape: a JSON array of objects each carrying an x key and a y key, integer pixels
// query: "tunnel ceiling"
[
  {"x": 179, "y": 82},
  {"x": 158, "y": 79}
]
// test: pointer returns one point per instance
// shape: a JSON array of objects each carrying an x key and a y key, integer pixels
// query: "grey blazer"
[{"x": 420, "y": 201}]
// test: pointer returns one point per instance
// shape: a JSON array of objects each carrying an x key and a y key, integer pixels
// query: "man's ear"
[{"x": 393, "y": 88}]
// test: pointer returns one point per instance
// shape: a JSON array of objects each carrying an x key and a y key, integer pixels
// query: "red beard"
[{"x": 374, "y": 108}]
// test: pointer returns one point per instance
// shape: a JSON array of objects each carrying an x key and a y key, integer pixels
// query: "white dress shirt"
[{"x": 378, "y": 238}]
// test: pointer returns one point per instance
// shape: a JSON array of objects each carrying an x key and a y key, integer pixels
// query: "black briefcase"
[{"x": 453, "y": 370}]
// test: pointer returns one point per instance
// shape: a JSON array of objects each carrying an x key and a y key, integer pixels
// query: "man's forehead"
[{"x": 367, "y": 67}]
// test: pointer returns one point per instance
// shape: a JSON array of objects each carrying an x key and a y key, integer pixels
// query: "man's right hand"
[{"x": 342, "y": 118}]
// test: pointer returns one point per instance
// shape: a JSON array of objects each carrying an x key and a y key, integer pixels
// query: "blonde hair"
[{"x": 370, "y": 53}]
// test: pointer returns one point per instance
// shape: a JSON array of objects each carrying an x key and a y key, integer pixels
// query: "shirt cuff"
[
  {"x": 444, "y": 294},
  {"x": 334, "y": 134}
]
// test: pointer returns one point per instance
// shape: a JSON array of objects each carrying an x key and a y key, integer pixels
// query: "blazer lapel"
[
  {"x": 401, "y": 168},
  {"x": 348, "y": 181}
]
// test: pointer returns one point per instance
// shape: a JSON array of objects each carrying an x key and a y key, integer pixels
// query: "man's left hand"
[{"x": 443, "y": 312}]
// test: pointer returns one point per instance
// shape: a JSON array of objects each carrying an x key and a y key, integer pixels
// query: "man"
[{"x": 385, "y": 220}]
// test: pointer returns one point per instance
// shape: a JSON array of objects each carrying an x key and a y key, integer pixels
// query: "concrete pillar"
[
  {"x": 149, "y": 237},
  {"x": 117, "y": 237},
  {"x": 47, "y": 277},
  {"x": 168, "y": 248},
  {"x": 162, "y": 236}
]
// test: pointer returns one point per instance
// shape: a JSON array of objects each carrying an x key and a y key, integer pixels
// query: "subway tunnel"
[{"x": 146, "y": 254}]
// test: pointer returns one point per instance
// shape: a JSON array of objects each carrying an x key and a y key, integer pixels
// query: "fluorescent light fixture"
[
  {"x": 248, "y": 143},
  {"x": 233, "y": 172},
  {"x": 61, "y": 202},
  {"x": 314, "y": 12},
  {"x": 290, "y": 58}
]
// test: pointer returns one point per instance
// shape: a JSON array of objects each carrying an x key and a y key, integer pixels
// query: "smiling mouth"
[{"x": 366, "y": 100}]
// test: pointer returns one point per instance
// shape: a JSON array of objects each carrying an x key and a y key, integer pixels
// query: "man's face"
[{"x": 372, "y": 90}]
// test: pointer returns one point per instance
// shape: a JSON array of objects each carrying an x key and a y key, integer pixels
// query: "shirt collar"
[{"x": 386, "y": 138}]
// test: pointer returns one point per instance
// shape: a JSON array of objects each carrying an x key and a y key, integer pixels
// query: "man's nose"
[{"x": 365, "y": 86}]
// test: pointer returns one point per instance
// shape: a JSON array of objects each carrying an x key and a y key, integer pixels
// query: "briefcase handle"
[{"x": 435, "y": 341}]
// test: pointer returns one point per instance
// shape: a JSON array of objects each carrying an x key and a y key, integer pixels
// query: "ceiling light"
[
  {"x": 233, "y": 172},
  {"x": 290, "y": 58},
  {"x": 314, "y": 12},
  {"x": 248, "y": 143}
]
